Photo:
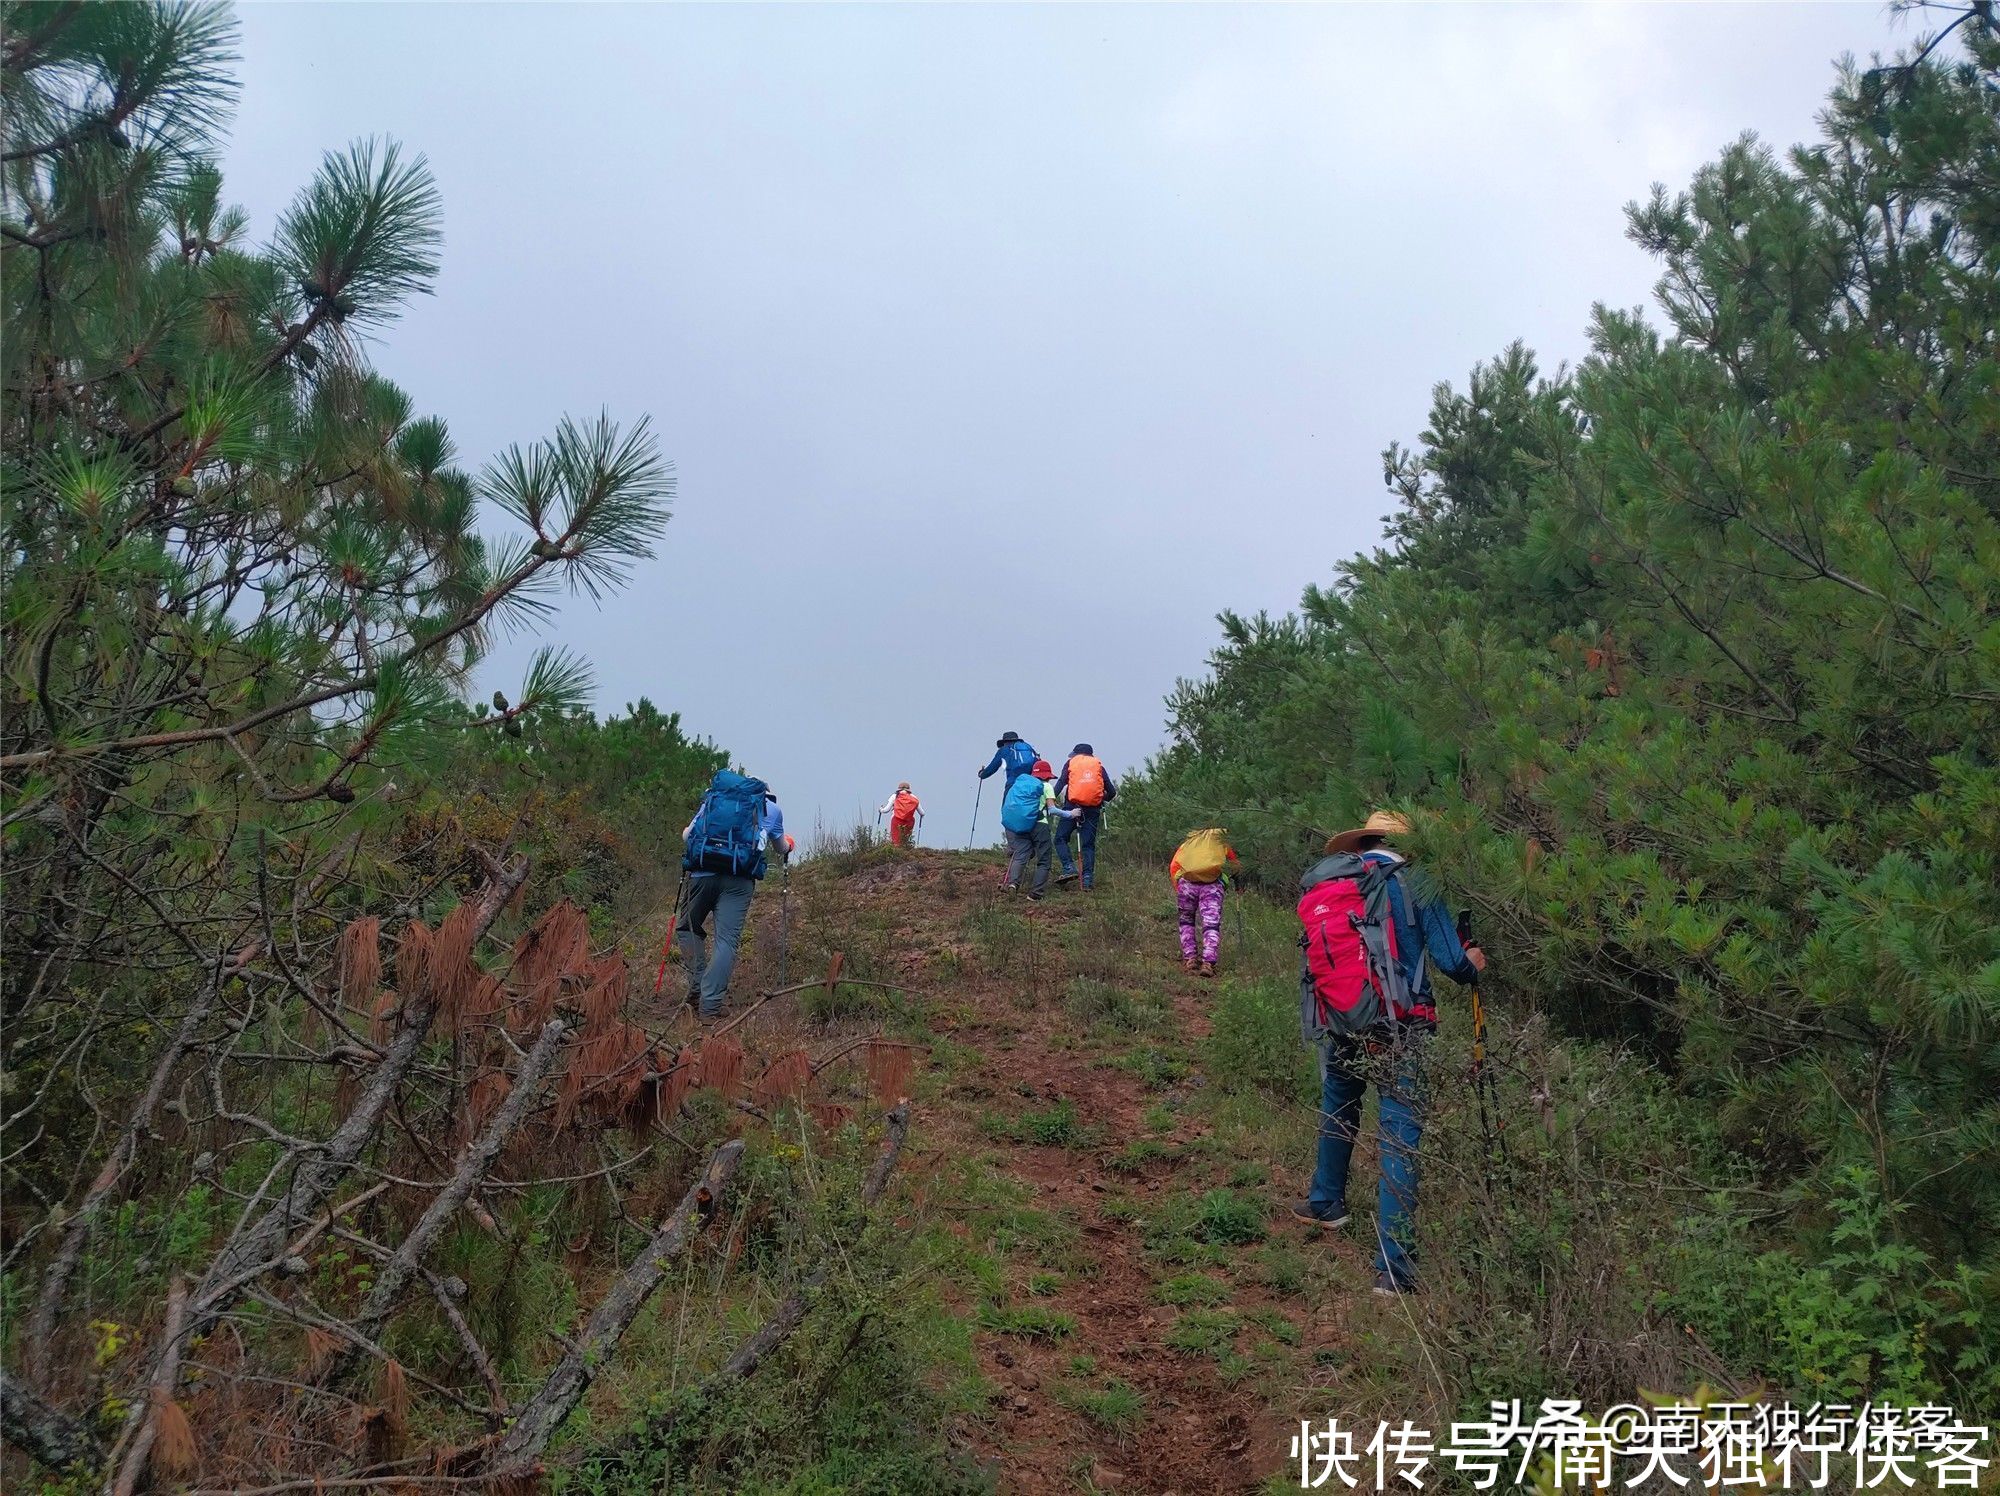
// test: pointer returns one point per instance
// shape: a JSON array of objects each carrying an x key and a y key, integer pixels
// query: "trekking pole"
[
  {"x": 667, "y": 946},
  {"x": 974, "y": 832},
  {"x": 1484, "y": 1088},
  {"x": 784, "y": 922}
]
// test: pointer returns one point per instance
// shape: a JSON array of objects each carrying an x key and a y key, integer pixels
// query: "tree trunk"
[{"x": 53, "y": 1438}]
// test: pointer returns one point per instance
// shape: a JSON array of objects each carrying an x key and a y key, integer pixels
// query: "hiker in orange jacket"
[
  {"x": 904, "y": 811},
  {"x": 1199, "y": 872}
]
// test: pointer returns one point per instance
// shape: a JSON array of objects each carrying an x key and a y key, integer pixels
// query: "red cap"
[{"x": 1041, "y": 769}]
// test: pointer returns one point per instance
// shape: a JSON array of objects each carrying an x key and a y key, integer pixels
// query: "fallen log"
[
  {"x": 520, "y": 1450},
  {"x": 776, "y": 1330},
  {"x": 45, "y": 1434}
]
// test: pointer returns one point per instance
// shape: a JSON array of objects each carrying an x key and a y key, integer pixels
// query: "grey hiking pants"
[
  {"x": 727, "y": 897},
  {"x": 1024, "y": 845}
]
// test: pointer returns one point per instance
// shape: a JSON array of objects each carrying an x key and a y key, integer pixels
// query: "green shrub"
[
  {"x": 1192, "y": 1288},
  {"x": 1028, "y": 1321},
  {"x": 1090, "y": 1001},
  {"x": 1203, "y": 1332},
  {"x": 1116, "y": 1405},
  {"x": 1135, "y": 1155},
  {"x": 1253, "y": 1041}
]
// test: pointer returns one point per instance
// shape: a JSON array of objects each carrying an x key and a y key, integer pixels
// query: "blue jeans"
[
  {"x": 1084, "y": 829},
  {"x": 727, "y": 897},
  {"x": 1397, "y": 1069}
]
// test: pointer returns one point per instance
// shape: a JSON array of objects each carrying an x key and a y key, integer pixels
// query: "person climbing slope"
[
  {"x": 1367, "y": 945},
  {"x": 1085, "y": 786},
  {"x": 1024, "y": 817},
  {"x": 904, "y": 811},
  {"x": 737, "y": 821},
  {"x": 1199, "y": 874},
  {"x": 1013, "y": 754}
]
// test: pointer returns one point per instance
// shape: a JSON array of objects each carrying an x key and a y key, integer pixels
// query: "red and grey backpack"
[{"x": 1350, "y": 980}]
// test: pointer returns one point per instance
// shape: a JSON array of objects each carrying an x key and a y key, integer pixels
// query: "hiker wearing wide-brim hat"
[
  {"x": 1366, "y": 1004},
  {"x": 1012, "y": 753},
  {"x": 904, "y": 811},
  {"x": 1380, "y": 826}
]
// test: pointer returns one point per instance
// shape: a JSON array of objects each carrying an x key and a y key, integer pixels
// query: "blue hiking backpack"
[
  {"x": 728, "y": 831},
  {"x": 1023, "y": 806}
]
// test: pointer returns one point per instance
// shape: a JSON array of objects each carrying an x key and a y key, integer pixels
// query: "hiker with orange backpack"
[
  {"x": 904, "y": 810},
  {"x": 1085, "y": 786},
  {"x": 1199, "y": 872},
  {"x": 1367, "y": 942}
]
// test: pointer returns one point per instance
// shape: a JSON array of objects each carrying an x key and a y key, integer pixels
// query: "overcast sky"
[{"x": 997, "y": 348}]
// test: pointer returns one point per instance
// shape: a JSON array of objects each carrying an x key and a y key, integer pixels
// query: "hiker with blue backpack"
[
  {"x": 1025, "y": 814},
  {"x": 1012, "y": 753},
  {"x": 734, "y": 831},
  {"x": 1016, "y": 756},
  {"x": 1368, "y": 940}
]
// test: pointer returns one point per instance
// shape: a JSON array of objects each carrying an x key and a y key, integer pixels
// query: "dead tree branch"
[
  {"x": 166, "y": 1373},
  {"x": 472, "y": 1168},
  {"x": 773, "y": 1333},
  {"x": 520, "y": 1451}
]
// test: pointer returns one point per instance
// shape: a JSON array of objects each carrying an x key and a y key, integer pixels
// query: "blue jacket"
[
  {"x": 1423, "y": 929},
  {"x": 1017, "y": 757}
]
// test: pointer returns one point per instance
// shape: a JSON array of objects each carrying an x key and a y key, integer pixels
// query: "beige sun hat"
[
  {"x": 1384, "y": 823},
  {"x": 904, "y": 786}
]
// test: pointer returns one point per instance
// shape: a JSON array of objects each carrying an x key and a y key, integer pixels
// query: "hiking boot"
[
  {"x": 1208, "y": 968},
  {"x": 1188, "y": 965},
  {"x": 1327, "y": 1217},
  {"x": 1387, "y": 1286},
  {"x": 1065, "y": 877},
  {"x": 1034, "y": 898}
]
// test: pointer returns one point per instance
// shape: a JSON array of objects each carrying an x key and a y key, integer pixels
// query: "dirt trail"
[{"x": 940, "y": 919}]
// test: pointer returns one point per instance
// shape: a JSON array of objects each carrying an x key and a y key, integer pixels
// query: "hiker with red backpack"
[
  {"x": 1368, "y": 940},
  {"x": 1199, "y": 872},
  {"x": 735, "y": 826},
  {"x": 904, "y": 811},
  {"x": 1083, "y": 789}
]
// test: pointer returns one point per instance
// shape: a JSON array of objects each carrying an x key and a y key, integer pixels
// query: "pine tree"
[
  {"x": 1687, "y": 662},
  {"x": 246, "y": 581}
]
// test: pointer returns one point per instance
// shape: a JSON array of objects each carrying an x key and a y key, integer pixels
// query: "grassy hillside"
[{"x": 1091, "y": 1280}]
